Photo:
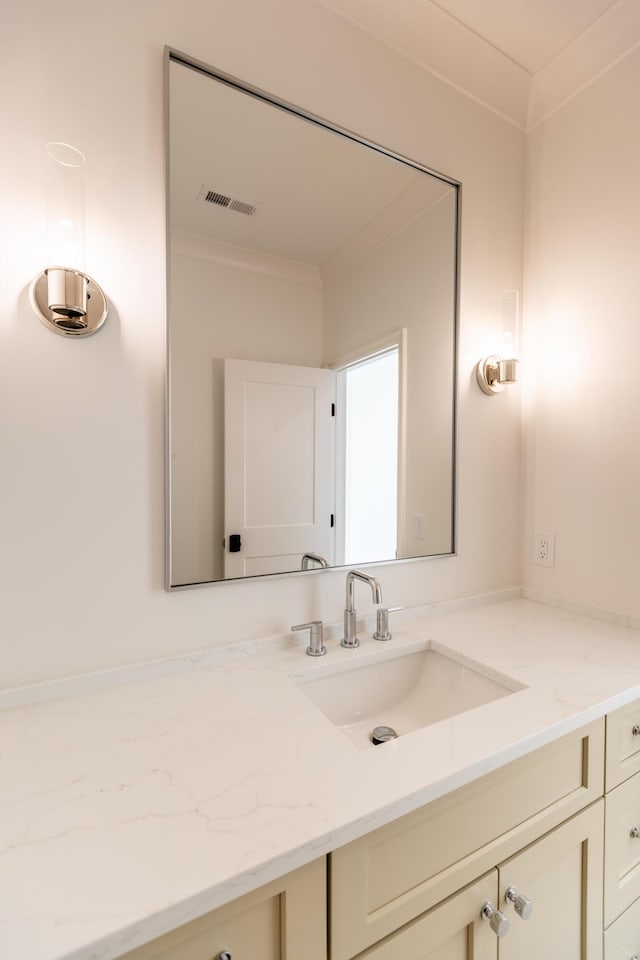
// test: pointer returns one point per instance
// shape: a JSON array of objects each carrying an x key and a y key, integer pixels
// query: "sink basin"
[{"x": 406, "y": 692}]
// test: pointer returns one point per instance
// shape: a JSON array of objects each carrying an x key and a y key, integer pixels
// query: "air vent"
[
  {"x": 240, "y": 206},
  {"x": 219, "y": 199}
]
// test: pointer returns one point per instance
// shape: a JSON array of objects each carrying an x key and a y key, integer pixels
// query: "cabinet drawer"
[
  {"x": 284, "y": 919},
  {"x": 623, "y": 745},
  {"x": 389, "y": 877},
  {"x": 622, "y": 849},
  {"x": 452, "y": 929},
  {"x": 622, "y": 939}
]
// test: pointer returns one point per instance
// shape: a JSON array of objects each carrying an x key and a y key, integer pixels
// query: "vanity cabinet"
[
  {"x": 549, "y": 825},
  {"x": 623, "y": 744},
  {"x": 453, "y": 930},
  {"x": 622, "y": 835},
  {"x": 562, "y": 873},
  {"x": 284, "y": 920},
  {"x": 622, "y": 861},
  {"x": 391, "y": 876}
]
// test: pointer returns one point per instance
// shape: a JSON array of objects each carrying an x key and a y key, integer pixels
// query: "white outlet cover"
[{"x": 545, "y": 549}]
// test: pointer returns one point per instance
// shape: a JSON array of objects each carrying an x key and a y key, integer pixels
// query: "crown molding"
[
  {"x": 600, "y": 47},
  {"x": 442, "y": 46},
  {"x": 215, "y": 251}
]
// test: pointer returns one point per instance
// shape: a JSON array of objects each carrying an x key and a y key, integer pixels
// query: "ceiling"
[
  {"x": 520, "y": 58},
  {"x": 530, "y": 32},
  {"x": 317, "y": 194}
]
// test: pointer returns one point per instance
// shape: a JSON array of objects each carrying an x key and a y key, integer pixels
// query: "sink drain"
[{"x": 383, "y": 735}]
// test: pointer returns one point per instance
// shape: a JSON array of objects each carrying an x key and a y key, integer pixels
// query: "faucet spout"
[
  {"x": 350, "y": 638},
  {"x": 308, "y": 559}
]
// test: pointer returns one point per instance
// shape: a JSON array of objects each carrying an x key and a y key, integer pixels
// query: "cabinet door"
[
  {"x": 562, "y": 875},
  {"x": 454, "y": 930},
  {"x": 284, "y": 919},
  {"x": 622, "y": 848}
]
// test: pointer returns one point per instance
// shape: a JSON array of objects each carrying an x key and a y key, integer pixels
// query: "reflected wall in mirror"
[{"x": 312, "y": 336}]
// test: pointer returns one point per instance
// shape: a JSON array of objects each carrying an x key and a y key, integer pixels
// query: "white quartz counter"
[{"x": 128, "y": 811}]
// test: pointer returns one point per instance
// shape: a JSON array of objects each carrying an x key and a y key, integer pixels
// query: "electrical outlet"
[
  {"x": 418, "y": 526},
  {"x": 545, "y": 550}
]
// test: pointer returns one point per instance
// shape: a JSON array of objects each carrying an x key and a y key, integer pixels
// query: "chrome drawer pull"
[
  {"x": 497, "y": 921},
  {"x": 521, "y": 904},
  {"x": 223, "y": 955},
  {"x": 635, "y": 729},
  {"x": 634, "y": 833}
]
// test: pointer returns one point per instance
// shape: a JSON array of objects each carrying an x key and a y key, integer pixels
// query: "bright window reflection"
[{"x": 371, "y": 456}]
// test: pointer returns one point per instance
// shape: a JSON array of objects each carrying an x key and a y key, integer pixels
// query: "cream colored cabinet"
[
  {"x": 622, "y": 939},
  {"x": 622, "y": 835},
  {"x": 393, "y": 875},
  {"x": 622, "y": 848},
  {"x": 453, "y": 930},
  {"x": 561, "y": 876},
  {"x": 416, "y": 888},
  {"x": 560, "y": 912},
  {"x": 623, "y": 744},
  {"x": 284, "y": 919}
]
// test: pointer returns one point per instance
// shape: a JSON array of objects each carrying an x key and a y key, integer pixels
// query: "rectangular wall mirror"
[{"x": 312, "y": 341}]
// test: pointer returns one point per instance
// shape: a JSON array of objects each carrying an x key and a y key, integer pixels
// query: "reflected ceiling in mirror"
[{"x": 312, "y": 340}]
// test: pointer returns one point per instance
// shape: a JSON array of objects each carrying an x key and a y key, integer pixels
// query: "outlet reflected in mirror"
[{"x": 312, "y": 330}]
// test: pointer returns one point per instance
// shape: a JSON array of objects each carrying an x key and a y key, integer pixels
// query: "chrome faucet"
[
  {"x": 308, "y": 559},
  {"x": 350, "y": 639}
]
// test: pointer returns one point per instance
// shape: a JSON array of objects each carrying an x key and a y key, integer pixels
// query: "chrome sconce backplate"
[
  {"x": 493, "y": 374},
  {"x": 68, "y": 302}
]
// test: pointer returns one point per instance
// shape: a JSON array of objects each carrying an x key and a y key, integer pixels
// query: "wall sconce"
[
  {"x": 63, "y": 296},
  {"x": 494, "y": 372}
]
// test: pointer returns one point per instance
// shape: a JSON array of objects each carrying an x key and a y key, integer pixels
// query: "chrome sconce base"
[
  {"x": 493, "y": 374},
  {"x": 68, "y": 302}
]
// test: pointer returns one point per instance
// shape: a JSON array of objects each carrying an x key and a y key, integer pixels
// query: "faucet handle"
[
  {"x": 382, "y": 623},
  {"x": 316, "y": 646}
]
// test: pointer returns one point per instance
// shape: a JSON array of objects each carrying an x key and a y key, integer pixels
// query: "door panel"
[
  {"x": 453, "y": 930},
  {"x": 279, "y": 465},
  {"x": 562, "y": 875},
  {"x": 284, "y": 920}
]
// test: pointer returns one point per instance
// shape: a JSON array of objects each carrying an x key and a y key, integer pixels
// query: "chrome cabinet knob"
[
  {"x": 223, "y": 955},
  {"x": 635, "y": 729},
  {"x": 497, "y": 920},
  {"x": 521, "y": 904},
  {"x": 634, "y": 833}
]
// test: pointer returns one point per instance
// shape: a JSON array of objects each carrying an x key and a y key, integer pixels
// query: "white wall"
[
  {"x": 583, "y": 390},
  {"x": 222, "y": 311},
  {"x": 409, "y": 282},
  {"x": 82, "y": 480}
]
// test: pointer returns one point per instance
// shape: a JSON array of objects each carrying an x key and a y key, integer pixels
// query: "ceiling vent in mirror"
[{"x": 220, "y": 199}]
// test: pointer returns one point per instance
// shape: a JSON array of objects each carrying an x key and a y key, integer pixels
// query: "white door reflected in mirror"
[{"x": 279, "y": 466}]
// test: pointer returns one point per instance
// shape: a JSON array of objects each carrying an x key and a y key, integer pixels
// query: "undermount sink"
[{"x": 405, "y": 691}]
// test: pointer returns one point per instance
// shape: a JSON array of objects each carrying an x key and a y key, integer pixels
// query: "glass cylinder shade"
[
  {"x": 509, "y": 348},
  {"x": 65, "y": 207}
]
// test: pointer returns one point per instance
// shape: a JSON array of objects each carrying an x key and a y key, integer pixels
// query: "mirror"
[{"x": 312, "y": 334}]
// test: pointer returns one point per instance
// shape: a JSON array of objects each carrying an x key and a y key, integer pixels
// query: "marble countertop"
[{"x": 128, "y": 811}]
